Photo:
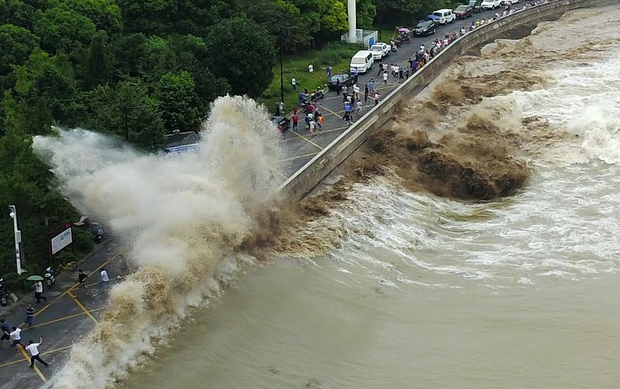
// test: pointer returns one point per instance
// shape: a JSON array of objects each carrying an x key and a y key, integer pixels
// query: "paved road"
[
  {"x": 69, "y": 314},
  {"x": 300, "y": 147}
]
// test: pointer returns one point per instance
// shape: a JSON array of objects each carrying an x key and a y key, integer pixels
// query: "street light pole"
[
  {"x": 281, "y": 69},
  {"x": 18, "y": 237}
]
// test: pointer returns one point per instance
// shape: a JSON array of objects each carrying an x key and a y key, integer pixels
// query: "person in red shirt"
[{"x": 295, "y": 119}]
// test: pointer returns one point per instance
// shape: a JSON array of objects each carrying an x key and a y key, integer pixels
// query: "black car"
[
  {"x": 338, "y": 80},
  {"x": 425, "y": 27},
  {"x": 282, "y": 122}
]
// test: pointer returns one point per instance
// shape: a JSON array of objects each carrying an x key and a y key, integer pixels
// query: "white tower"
[{"x": 352, "y": 22}]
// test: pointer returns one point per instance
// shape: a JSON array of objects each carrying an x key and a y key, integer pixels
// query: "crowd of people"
[{"x": 352, "y": 99}]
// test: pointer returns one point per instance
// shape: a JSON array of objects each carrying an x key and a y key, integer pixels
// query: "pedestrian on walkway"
[
  {"x": 33, "y": 349},
  {"x": 358, "y": 107},
  {"x": 104, "y": 276},
  {"x": 29, "y": 315},
  {"x": 6, "y": 332},
  {"x": 82, "y": 279},
  {"x": 385, "y": 77},
  {"x": 38, "y": 292},
  {"x": 366, "y": 90},
  {"x": 16, "y": 337},
  {"x": 295, "y": 119},
  {"x": 377, "y": 96},
  {"x": 294, "y": 83}
]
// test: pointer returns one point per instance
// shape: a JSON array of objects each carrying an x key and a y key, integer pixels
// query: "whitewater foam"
[{"x": 182, "y": 219}]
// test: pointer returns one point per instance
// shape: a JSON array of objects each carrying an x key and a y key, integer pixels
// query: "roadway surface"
[
  {"x": 70, "y": 313},
  {"x": 299, "y": 146}
]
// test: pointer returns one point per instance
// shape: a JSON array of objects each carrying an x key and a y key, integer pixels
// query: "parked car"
[
  {"x": 476, "y": 5},
  {"x": 491, "y": 4},
  {"x": 380, "y": 50},
  {"x": 282, "y": 122},
  {"x": 425, "y": 27},
  {"x": 362, "y": 61},
  {"x": 338, "y": 80},
  {"x": 463, "y": 11},
  {"x": 445, "y": 16}
]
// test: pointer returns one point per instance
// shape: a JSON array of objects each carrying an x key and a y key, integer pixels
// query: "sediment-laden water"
[{"x": 401, "y": 288}]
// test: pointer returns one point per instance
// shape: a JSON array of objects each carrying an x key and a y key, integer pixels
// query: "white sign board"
[{"x": 62, "y": 240}]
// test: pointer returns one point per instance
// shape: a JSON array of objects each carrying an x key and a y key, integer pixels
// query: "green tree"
[
  {"x": 43, "y": 93},
  {"x": 63, "y": 29},
  {"x": 16, "y": 12},
  {"x": 98, "y": 61},
  {"x": 178, "y": 101},
  {"x": 127, "y": 111},
  {"x": 366, "y": 12},
  {"x": 105, "y": 14},
  {"x": 244, "y": 54},
  {"x": 16, "y": 45}
]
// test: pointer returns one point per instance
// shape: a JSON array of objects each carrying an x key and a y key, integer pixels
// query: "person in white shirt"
[
  {"x": 104, "y": 276},
  {"x": 385, "y": 77},
  {"x": 38, "y": 291},
  {"x": 16, "y": 337},
  {"x": 33, "y": 349}
]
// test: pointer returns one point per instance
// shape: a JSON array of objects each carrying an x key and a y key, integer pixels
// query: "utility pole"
[
  {"x": 280, "y": 44},
  {"x": 18, "y": 238}
]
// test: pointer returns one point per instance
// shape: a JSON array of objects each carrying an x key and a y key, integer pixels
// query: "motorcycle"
[{"x": 49, "y": 277}]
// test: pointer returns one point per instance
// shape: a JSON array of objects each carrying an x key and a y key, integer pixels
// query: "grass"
[{"x": 335, "y": 54}]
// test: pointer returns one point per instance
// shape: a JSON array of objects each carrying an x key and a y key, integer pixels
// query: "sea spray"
[{"x": 180, "y": 217}]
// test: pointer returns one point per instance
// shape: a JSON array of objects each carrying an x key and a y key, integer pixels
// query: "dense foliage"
[{"x": 138, "y": 69}]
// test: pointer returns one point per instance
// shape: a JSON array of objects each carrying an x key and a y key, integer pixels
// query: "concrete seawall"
[{"x": 317, "y": 169}]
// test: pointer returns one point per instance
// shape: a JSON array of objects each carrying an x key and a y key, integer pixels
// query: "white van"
[
  {"x": 362, "y": 61},
  {"x": 445, "y": 16}
]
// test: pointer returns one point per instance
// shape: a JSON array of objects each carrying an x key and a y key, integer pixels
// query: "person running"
[
  {"x": 295, "y": 119},
  {"x": 82, "y": 279},
  {"x": 358, "y": 107},
  {"x": 377, "y": 96},
  {"x": 29, "y": 315},
  {"x": 104, "y": 276},
  {"x": 6, "y": 332},
  {"x": 38, "y": 292},
  {"x": 386, "y": 75},
  {"x": 366, "y": 91},
  {"x": 320, "y": 121},
  {"x": 16, "y": 337},
  {"x": 33, "y": 349}
]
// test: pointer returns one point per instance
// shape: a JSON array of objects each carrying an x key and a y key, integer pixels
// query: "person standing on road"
[
  {"x": 16, "y": 337},
  {"x": 33, "y": 349},
  {"x": 385, "y": 77},
  {"x": 6, "y": 332},
  {"x": 104, "y": 276},
  {"x": 38, "y": 291},
  {"x": 356, "y": 74},
  {"x": 344, "y": 89},
  {"x": 82, "y": 279},
  {"x": 295, "y": 119},
  {"x": 29, "y": 315},
  {"x": 366, "y": 90}
]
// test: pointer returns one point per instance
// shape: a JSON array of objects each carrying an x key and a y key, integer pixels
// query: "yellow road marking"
[
  {"x": 297, "y": 157},
  {"x": 79, "y": 304},
  {"x": 37, "y": 313},
  {"x": 306, "y": 139},
  {"x": 27, "y": 360},
  {"x": 63, "y": 318}
]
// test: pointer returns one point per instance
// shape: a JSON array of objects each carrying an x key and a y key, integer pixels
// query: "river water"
[{"x": 424, "y": 291}]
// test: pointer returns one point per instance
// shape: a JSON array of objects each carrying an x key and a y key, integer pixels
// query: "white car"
[
  {"x": 379, "y": 51},
  {"x": 491, "y": 4},
  {"x": 444, "y": 16}
]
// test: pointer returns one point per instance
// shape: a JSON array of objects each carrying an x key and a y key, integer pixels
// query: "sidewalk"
[{"x": 68, "y": 315}]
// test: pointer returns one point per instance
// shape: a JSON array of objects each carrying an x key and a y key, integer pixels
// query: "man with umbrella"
[{"x": 38, "y": 288}]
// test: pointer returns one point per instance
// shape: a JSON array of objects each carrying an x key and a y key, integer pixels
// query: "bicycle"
[{"x": 71, "y": 266}]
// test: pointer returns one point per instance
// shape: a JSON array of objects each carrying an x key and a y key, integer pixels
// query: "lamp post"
[
  {"x": 18, "y": 238},
  {"x": 280, "y": 36}
]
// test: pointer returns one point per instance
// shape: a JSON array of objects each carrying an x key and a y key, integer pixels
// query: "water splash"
[{"x": 182, "y": 217}]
